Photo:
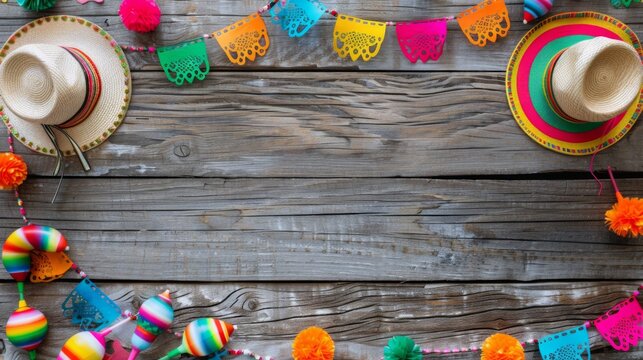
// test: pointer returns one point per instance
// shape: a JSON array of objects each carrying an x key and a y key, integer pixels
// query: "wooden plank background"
[{"x": 373, "y": 199}]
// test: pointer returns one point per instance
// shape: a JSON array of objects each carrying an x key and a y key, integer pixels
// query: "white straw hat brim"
[{"x": 71, "y": 31}]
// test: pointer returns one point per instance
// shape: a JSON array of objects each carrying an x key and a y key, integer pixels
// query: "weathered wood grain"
[
  {"x": 185, "y": 20},
  {"x": 328, "y": 125},
  {"x": 360, "y": 317},
  {"x": 335, "y": 229}
]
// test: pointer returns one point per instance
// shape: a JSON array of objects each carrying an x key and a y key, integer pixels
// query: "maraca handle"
[
  {"x": 172, "y": 354},
  {"x": 32, "y": 355},
  {"x": 133, "y": 354}
]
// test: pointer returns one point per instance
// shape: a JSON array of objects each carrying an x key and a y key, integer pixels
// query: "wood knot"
[
  {"x": 182, "y": 150},
  {"x": 252, "y": 304}
]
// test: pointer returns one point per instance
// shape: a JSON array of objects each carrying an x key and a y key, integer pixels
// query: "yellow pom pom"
[
  {"x": 626, "y": 216},
  {"x": 502, "y": 347},
  {"x": 13, "y": 171},
  {"x": 313, "y": 344}
]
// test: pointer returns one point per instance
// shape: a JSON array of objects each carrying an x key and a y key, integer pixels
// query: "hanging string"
[
  {"x": 267, "y": 7},
  {"x": 16, "y": 192}
]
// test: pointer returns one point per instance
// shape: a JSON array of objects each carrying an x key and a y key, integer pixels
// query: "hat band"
[
  {"x": 549, "y": 92},
  {"x": 93, "y": 87}
]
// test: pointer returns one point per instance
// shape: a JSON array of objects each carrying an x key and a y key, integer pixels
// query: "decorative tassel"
[
  {"x": 313, "y": 344},
  {"x": 140, "y": 15},
  {"x": 402, "y": 348},
  {"x": 502, "y": 347},
  {"x": 13, "y": 171},
  {"x": 625, "y": 218}
]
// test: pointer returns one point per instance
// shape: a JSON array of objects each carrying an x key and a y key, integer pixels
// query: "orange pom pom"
[
  {"x": 502, "y": 347},
  {"x": 313, "y": 344},
  {"x": 13, "y": 171},
  {"x": 626, "y": 216}
]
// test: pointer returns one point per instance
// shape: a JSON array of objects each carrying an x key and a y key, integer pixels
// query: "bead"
[{"x": 151, "y": 49}]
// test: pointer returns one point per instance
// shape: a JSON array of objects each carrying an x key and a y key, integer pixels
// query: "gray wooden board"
[
  {"x": 362, "y": 229},
  {"x": 256, "y": 194},
  {"x": 185, "y": 20},
  {"x": 361, "y": 317},
  {"x": 328, "y": 124}
]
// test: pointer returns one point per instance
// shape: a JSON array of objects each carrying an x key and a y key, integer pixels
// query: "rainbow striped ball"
[
  {"x": 154, "y": 317},
  {"x": 206, "y": 336},
  {"x": 27, "y": 328},
  {"x": 16, "y": 249},
  {"x": 86, "y": 345}
]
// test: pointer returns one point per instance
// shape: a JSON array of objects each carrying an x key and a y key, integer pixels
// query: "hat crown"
[
  {"x": 42, "y": 83},
  {"x": 597, "y": 79}
]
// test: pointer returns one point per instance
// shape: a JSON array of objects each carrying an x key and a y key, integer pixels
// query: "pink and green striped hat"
[{"x": 527, "y": 91}]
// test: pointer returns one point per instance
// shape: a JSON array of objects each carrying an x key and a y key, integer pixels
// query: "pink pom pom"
[{"x": 140, "y": 15}]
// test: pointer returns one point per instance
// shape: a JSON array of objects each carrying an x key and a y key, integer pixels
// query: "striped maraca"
[
  {"x": 86, "y": 345},
  {"x": 154, "y": 317},
  {"x": 27, "y": 328},
  {"x": 16, "y": 249},
  {"x": 202, "y": 337}
]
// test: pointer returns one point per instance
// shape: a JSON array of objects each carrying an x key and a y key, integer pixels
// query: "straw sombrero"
[
  {"x": 546, "y": 82},
  {"x": 67, "y": 74}
]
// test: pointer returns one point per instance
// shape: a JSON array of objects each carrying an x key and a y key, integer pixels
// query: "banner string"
[{"x": 268, "y": 7}]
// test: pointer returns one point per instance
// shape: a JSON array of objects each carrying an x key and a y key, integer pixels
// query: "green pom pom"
[
  {"x": 37, "y": 5},
  {"x": 402, "y": 348}
]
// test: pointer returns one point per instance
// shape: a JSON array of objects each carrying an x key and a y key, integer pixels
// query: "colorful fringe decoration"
[
  {"x": 422, "y": 40},
  {"x": 502, "y": 347},
  {"x": 185, "y": 61},
  {"x": 622, "y": 326},
  {"x": 571, "y": 344},
  {"x": 625, "y": 218},
  {"x": 313, "y": 344},
  {"x": 484, "y": 22},
  {"x": 357, "y": 38},
  {"x": 244, "y": 40},
  {"x": 533, "y": 9}
]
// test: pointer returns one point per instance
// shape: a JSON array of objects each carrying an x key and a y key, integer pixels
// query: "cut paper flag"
[
  {"x": 422, "y": 40},
  {"x": 622, "y": 3},
  {"x": 244, "y": 40},
  {"x": 571, "y": 344},
  {"x": 357, "y": 37},
  {"x": 89, "y": 307},
  {"x": 533, "y": 9},
  {"x": 185, "y": 61},
  {"x": 485, "y": 22},
  {"x": 48, "y": 266},
  {"x": 298, "y": 16},
  {"x": 622, "y": 326}
]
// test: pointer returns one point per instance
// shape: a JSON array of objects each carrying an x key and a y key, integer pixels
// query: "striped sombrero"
[{"x": 526, "y": 90}]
